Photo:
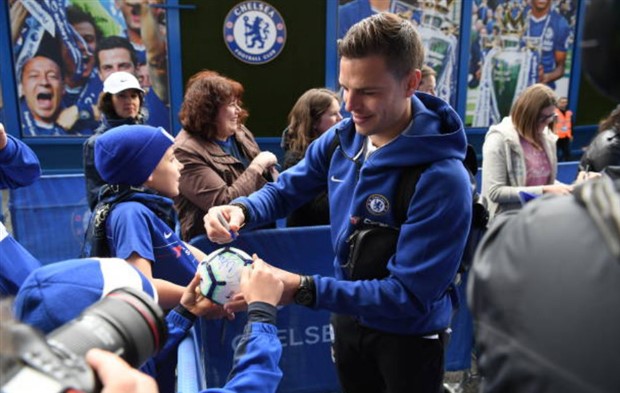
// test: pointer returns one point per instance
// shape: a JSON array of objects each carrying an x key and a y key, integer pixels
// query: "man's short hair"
[
  {"x": 76, "y": 15},
  {"x": 387, "y": 35},
  {"x": 113, "y": 42},
  {"x": 50, "y": 49}
]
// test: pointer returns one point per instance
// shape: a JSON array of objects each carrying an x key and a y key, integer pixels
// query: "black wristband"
[
  {"x": 185, "y": 313},
  {"x": 262, "y": 312},
  {"x": 244, "y": 209}
]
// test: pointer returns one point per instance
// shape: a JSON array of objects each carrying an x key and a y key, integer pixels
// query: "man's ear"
[{"x": 413, "y": 80}]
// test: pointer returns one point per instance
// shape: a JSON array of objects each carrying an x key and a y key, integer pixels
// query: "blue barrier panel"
[
  {"x": 50, "y": 216},
  {"x": 567, "y": 171},
  {"x": 190, "y": 364},
  {"x": 304, "y": 333}
]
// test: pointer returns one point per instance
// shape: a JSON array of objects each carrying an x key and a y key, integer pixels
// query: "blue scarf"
[{"x": 95, "y": 239}]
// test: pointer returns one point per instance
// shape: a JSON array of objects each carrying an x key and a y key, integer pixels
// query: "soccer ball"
[{"x": 220, "y": 273}]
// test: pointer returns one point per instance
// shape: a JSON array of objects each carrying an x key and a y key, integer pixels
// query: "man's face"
[
  {"x": 541, "y": 5},
  {"x": 87, "y": 32},
  {"x": 43, "y": 88},
  {"x": 131, "y": 12},
  {"x": 113, "y": 60},
  {"x": 378, "y": 102},
  {"x": 562, "y": 103}
]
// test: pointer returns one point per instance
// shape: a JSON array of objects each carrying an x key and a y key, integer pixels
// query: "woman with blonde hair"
[
  {"x": 519, "y": 153},
  {"x": 316, "y": 111}
]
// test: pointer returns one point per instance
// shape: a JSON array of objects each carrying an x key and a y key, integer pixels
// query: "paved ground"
[{"x": 462, "y": 382}]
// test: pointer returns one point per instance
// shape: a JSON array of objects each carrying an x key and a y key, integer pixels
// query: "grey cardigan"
[{"x": 503, "y": 166}]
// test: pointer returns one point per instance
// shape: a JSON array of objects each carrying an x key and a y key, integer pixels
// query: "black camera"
[{"x": 126, "y": 322}]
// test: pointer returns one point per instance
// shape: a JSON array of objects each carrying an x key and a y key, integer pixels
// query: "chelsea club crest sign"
[{"x": 254, "y": 32}]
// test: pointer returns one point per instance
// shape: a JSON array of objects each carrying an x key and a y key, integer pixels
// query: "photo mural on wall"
[
  {"x": 438, "y": 22},
  {"x": 514, "y": 44},
  {"x": 64, "y": 49}
]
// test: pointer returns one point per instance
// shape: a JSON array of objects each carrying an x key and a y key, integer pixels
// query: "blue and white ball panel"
[{"x": 220, "y": 273}]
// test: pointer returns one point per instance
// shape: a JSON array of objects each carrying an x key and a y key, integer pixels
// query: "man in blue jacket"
[
  {"x": 19, "y": 167},
  {"x": 388, "y": 330}
]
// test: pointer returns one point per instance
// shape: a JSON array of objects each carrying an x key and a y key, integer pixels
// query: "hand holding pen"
[
  {"x": 222, "y": 223},
  {"x": 225, "y": 224}
]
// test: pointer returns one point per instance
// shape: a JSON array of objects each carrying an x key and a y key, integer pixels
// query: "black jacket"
[
  {"x": 543, "y": 291},
  {"x": 603, "y": 151}
]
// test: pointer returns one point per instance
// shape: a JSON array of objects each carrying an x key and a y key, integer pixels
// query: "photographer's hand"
[{"x": 117, "y": 376}]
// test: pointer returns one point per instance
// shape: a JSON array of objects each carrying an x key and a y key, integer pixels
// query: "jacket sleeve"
[
  {"x": 19, "y": 166},
  {"x": 255, "y": 366},
  {"x": 496, "y": 182},
  {"x": 178, "y": 326},
  {"x": 295, "y": 186},
  {"x": 205, "y": 187}
]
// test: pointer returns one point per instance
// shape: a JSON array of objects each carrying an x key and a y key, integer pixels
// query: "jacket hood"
[{"x": 435, "y": 133}]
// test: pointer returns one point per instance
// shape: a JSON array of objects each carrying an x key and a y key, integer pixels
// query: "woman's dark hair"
[
  {"x": 611, "y": 122},
  {"x": 76, "y": 15},
  {"x": 206, "y": 92},
  {"x": 106, "y": 107}
]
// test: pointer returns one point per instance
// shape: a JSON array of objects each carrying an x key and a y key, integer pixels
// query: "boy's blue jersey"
[
  {"x": 415, "y": 298},
  {"x": 134, "y": 228}
]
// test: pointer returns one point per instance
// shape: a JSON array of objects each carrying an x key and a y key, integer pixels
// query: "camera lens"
[{"x": 127, "y": 322}]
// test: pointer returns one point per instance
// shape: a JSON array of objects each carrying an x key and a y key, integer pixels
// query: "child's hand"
[{"x": 199, "y": 305}]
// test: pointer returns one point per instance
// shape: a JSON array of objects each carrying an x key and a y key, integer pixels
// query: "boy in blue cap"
[{"x": 134, "y": 218}]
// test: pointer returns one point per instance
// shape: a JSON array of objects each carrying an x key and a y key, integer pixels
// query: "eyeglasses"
[{"x": 546, "y": 119}]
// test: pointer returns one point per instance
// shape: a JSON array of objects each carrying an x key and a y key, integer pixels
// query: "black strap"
[
  {"x": 405, "y": 190},
  {"x": 333, "y": 146}
]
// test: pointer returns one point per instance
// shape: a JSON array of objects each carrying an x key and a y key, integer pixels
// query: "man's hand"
[
  {"x": 260, "y": 284},
  {"x": 559, "y": 189},
  {"x": 199, "y": 305},
  {"x": 68, "y": 117},
  {"x": 3, "y": 137},
  {"x": 216, "y": 229},
  {"x": 117, "y": 376}
]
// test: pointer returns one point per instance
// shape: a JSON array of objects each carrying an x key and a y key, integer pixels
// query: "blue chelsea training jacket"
[{"x": 415, "y": 298}]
